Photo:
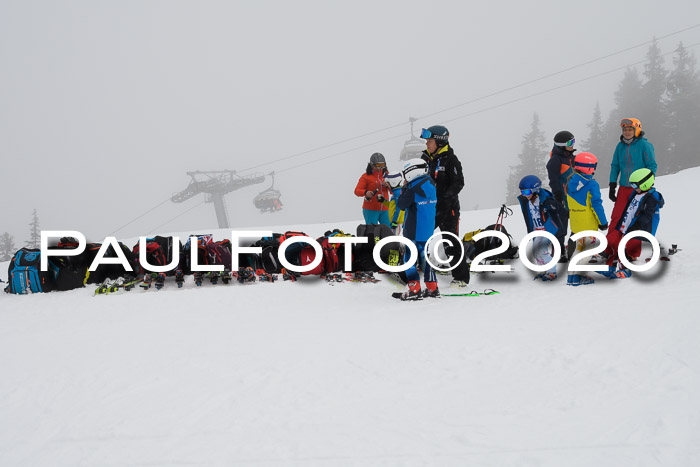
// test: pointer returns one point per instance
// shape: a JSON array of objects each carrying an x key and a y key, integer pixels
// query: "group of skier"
[
  {"x": 575, "y": 200},
  {"x": 425, "y": 196}
]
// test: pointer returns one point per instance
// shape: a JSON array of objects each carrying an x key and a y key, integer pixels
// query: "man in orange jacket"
[{"x": 372, "y": 188}]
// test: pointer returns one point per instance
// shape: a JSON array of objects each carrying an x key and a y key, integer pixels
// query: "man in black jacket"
[{"x": 446, "y": 170}]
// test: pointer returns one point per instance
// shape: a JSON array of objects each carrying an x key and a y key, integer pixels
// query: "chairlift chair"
[{"x": 269, "y": 200}]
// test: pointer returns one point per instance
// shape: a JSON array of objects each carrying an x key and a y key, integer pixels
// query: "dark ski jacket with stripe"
[
  {"x": 559, "y": 168},
  {"x": 647, "y": 216},
  {"x": 446, "y": 171}
]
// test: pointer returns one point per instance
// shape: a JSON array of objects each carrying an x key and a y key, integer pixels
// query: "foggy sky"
[{"x": 104, "y": 106}]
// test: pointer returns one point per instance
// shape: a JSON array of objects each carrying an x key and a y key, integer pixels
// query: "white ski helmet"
[
  {"x": 394, "y": 180},
  {"x": 414, "y": 168}
]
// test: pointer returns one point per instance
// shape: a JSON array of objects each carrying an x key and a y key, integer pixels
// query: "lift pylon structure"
[
  {"x": 413, "y": 147},
  {"x": 215, "y": 184}
]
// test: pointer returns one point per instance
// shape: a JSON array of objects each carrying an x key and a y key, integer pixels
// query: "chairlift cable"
[
  {"x": 549, "y": 75},
  {"x": 403, "y": 135}
]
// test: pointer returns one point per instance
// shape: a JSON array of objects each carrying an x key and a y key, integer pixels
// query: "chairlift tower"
[
  {"x": 214, "y": 185},
  {"x": 413, "y": 147}
]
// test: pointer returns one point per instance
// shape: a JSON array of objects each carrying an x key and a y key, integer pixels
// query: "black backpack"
[
  {"x": 472, "y": 248},
  {"x": 362, "y": 259}
]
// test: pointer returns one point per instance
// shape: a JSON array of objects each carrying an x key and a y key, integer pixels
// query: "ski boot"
[
  {"x": 179, "y": 278},
  {"x": 265, "y": 277},
  {"x": 147, "y": 281},
  {"x": 614, "y": 273},
  {"x": 578, "y": 279},
  {"x": 214, "y": 278},
  {"x": 288, "y": 275},
  {"x": 360, "y": 277},
  {"x": 546, "y": 276},
  {"x": 198, "y": 278},
  {"x": 246, "y": 275},
  {"x": 431, "y": 290},
  {"x": 413, "y": 293},
  {"x": 160, "y": 281},
  {"x": 225, "y": 276}
]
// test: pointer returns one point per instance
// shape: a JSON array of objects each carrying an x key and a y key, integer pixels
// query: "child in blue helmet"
[{"x": 541, "y": 211}]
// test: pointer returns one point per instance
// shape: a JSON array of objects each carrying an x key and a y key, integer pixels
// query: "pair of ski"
[
  {"x": 110, "y": 286},
  {"x": 472, "y": 293},
  {"x": 359, "y": 276}
]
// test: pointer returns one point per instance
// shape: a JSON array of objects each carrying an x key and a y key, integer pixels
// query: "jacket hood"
[
  {"x": 659, "y": 196},
  {"x": 661, "y": 199},
  {"x": 578, "y": 182}
]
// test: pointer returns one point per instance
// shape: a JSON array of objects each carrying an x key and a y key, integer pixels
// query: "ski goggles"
[
  {"x": 426, "y": 134},
  {"x": 568, "y": 144},
  {"x": 626, "y": 122},
  {"x": 529, "y": 191},
  {"x": 380, "y": 165}
]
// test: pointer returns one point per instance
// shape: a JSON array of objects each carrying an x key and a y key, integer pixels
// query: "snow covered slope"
[{"x": 309, "y": 374}]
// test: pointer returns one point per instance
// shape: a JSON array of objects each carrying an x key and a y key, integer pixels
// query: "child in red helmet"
[{"x": 585, "y": 206}]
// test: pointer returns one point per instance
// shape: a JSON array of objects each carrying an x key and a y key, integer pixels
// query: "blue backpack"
[{"x": 24, "y": 274}]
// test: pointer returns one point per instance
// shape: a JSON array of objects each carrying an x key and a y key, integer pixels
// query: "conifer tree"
[
  {"x": 627, "y": 105},
  {"x": 7, "y": 247},
  {"x": 683, "y": 107},
  {"x": 532, "y": 159},
  {"x": 653, "y": 113},
  {"x": 596, "y": 143},
  {"x": 34, "y": 232}
]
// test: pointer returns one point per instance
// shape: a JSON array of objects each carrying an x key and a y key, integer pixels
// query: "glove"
[
  {"x": 559, "y": 197},
  {"x": 611, "y": 194},
  {"x": 369, "y": 195},
  {"x": 380, "y": 197},
  {"x": 603, "y": 227}
]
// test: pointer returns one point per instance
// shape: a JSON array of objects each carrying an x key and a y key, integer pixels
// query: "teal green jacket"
[{"x": 639, "y": 154}]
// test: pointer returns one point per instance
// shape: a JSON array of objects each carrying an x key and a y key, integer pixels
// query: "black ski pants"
[{"x": 449, "y": 222}]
